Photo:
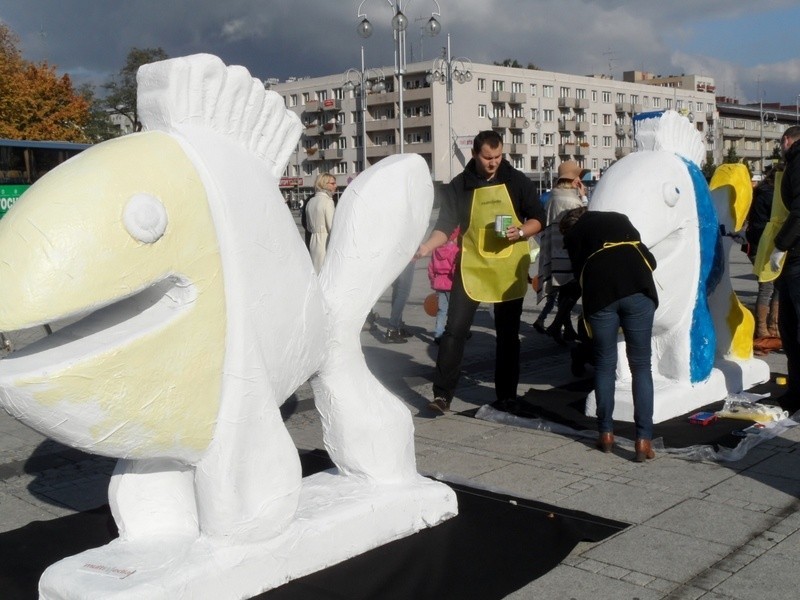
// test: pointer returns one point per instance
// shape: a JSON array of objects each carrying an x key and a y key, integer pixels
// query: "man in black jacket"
[
  {"x": 787, "y": 250},
  {"x": 492, "y": 265}
]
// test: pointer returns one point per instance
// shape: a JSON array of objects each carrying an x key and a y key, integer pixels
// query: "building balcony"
[
  {"x": 582, "y": 150},
  {"x": 383, "y": 124},
  {"x": 623, "y": 107},
  {"x": 567, "y": 124},
  {"x": 333, "y": 154},
  {"x": 623, "y": 130},
  {"x": 331, "y": 129},
  {"x": 622, "y": 152},
  {"x": 516, "y": 148},
  {"x": 583, "y": 126},
  {"x": 382, "y": 150},
  {"x": 419, "y": 147},
  {"x": 519, "y": 123},
  {"x": 566, "y": 102},
  {"x": 566, "y": 149},
  {"x": 330, "y": 105},
  {"x": 501, "y": 96},
  {"x": 313, "y": 154},
  {"x": 501, "y": 122},
  {"x": 311, "y": 130},
  {"x": 637, "y": 108},
  {"x": 581, "y": 103},
  {"x": 518, "y": 98},
  {"x": 423, "y": 93}
]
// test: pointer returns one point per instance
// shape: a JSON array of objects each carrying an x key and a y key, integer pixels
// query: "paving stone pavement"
[{"x": 699, "y": 529}]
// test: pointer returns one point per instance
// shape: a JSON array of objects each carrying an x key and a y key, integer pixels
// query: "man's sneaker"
[
  {"x": 393, "y": 336},
  {"x": 440, "y": 404},
  {"x": 404, "y": 332}
]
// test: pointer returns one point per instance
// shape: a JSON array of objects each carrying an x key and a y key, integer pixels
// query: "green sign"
[{"x": 9, "y": 194}]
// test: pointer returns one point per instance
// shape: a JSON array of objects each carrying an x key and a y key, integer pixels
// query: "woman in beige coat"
[{"x": 319, "y": 216}]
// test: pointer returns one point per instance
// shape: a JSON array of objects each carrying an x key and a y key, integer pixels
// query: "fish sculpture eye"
[
  {"x": 145, "y": 218},
  {"x": 671, "y": 194}
]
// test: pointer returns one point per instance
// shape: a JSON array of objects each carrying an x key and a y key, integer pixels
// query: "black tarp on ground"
[
  {"x": 495, "y": 545},
  {"x": 565, "y": 405}
]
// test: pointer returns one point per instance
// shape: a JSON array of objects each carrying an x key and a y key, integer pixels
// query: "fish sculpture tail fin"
[
  {"x": 377, "y": 228},
  {"x": 199, "y": 91},
  {"x": 379, "y": 222}
]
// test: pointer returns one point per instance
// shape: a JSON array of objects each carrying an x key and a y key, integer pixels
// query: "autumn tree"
[
  {"x": 121, "y": 96},
  {"x": 37, "y": 104}
]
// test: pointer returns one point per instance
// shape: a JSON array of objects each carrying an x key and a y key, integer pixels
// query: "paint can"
[{"x": 501, "y": 223}]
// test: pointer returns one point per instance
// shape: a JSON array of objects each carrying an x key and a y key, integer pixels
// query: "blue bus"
[{"x": 22, "y": 162}]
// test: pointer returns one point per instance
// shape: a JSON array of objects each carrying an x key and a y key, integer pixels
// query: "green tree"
[
  {"x": 35, "y": 103},
  {"x": 709, "y": 166},
  {"x": 515, "y": 64},
  {"x": 731, "y": 156},
  {"x": 121, "y": 89},
  {"x": 98, "y": 126}
]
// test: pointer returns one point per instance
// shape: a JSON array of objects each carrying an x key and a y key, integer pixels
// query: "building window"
[
  {"x": 563, "y": 92},
  {"x": 482, "y": 111},
  {"x": 340, "y": 168},
  {"x": 547, "y": 139},
  {"x": 634, "y": 98},
  {"x": 498, "y": 85},
  {"x": 606, "y": 119},
  {"x": 534, "y": 114},
  {"x": 322, "y": 95},
  {"x": 656, "y": 102},
  {"x": 646, "y": 101},
  {"x": 669, "y": 103},
  {"x": 481, "y": 84},
  {"x": 293, "y": 100},
  {"x": 606, "y": 97},
  {"x": 548, "y": 115},
  {"x": 534, "y": 139},
  {"x": 533, "y": 89},
  {"x": 516, "y": 87},
  {"x": 606, "y": 141},
  {"x": 580, "y": 93},
  {"x": 338, "y": 94},
  {"x": 594, "y": 95},
  {"x": 518, "y": 162},
  {"x": 620, "y": 97},
  {"x": 547, "y": 91},
  {"x": 306, "y": 98},
  {"x": 594, "y": 141},
  {"x": 594, "y": 164},
  {"x": 594, "y": 118}
]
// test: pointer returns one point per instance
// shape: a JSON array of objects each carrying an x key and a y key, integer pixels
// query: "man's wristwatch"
[{"x": 521, "y": 233}]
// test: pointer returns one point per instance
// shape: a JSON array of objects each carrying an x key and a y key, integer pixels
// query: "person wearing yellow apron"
[
  {"x": 785, "y": 258},
  {"x": 615, "y": 271},
  {"x": 492, "y": 265}
]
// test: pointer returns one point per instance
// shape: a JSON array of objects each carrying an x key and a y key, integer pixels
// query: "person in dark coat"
[{"x": 615, "y": 271}]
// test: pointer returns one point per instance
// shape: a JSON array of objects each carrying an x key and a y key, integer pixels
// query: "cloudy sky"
[{"x": 750, "y": 47}]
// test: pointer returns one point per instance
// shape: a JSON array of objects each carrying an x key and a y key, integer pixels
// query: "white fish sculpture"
[
  {"x": 664, "y": 193},
  {"x": 198, "y": 313}
]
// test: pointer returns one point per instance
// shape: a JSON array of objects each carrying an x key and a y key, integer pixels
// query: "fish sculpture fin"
[
  {"x": 672, "y": 132},
  {"x": 199, "y": 91}
]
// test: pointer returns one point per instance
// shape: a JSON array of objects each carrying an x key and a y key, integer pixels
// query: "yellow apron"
[
  {"x": 492, "y": 268},
  {"x": 766, "y": 244}
]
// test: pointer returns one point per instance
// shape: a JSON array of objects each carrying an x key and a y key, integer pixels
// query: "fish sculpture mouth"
[{"x": 102, "y": 328}]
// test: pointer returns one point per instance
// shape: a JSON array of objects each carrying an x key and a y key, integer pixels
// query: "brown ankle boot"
[
  {"x": 772, "y": 320},
  {"x": 605, "y": 441},
  {"x": 643, "y": 450},
  {"x": 762, "y": 314}
]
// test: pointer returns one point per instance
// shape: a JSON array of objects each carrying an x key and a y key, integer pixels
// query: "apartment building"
[{"x": 543, "y": 117}]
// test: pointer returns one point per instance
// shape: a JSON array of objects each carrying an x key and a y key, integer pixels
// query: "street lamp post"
[
  {"x": 797, "y": 110},
  {"x": 445, "y": 70},
  {"x": 362, "y": 82},
  {"x": 399, "y": 26}
]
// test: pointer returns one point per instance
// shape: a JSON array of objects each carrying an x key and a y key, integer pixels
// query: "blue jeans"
[
  {"x": 634, "y": 314},
  {"x": 441, "y": 315},
  {"x": 401, "y": 290}
]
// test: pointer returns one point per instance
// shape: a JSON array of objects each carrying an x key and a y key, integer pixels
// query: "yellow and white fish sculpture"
[{"x": 198, "y": 313}]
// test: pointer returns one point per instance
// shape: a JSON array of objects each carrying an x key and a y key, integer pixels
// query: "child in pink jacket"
[{"x": 441, "y": 269}]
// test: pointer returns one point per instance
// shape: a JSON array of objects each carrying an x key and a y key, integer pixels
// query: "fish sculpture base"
[
  {"x": 338, "y": 518},
  {"x": 670, "y": 398}
]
